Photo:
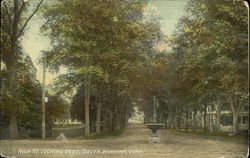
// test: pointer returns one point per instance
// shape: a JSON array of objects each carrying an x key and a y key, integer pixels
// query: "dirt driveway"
[{"x": 133, "y": 143}]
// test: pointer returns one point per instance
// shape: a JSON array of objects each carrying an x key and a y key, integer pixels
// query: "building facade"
[{"x": 226, "y": 119}]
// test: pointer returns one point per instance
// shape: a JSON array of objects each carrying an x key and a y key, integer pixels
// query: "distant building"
[
  {"x": 226, "y": 118},
  {"x": 66, "y": 121}
]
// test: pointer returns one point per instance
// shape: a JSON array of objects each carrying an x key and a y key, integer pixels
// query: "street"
[{"x": 135, "y": 140}]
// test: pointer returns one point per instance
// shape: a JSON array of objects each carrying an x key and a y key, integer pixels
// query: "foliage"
[
  {"x": 209, "y": 59},
  {"x": 106, "y": 41},
  {"x": 14, "y": 22},
  {"x": 27, "y": 97},
  {"x": 213, "y": 46}
]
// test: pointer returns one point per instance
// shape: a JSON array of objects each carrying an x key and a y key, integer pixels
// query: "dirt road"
[{"x": 133, "y": 143}]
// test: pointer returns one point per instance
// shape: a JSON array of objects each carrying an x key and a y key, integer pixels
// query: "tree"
[
  {"x": 102, "y": 40},
  {"x": 27, "y": 97},
  {"x": 212, "y": 46},
  {"x": 56, "y": 107},
  {"x": 14, "y": 23}
]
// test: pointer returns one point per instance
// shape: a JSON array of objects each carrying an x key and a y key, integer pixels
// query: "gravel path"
[{"x": 133, "y": 143}]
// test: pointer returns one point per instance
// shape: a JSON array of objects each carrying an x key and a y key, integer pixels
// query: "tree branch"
[
  {"x": 8, "y": 16},
  {"x": 25, "y": 24},
  {"x": 20, "y": 10},
  {"x": 6, "y": 25}
]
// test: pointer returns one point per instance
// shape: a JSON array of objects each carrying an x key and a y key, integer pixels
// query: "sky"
[
  {"x": 169, "y": 12},
  {"x": 34, "y": 41}
]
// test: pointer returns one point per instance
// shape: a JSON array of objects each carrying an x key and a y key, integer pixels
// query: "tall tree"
[
  {"x": 102, "y": 40},
  {"x": 14, "y": 22},
  {"x": 211, "y": 47}
]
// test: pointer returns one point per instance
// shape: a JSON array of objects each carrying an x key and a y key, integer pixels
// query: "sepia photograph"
[{"x": 124, "y": 79}]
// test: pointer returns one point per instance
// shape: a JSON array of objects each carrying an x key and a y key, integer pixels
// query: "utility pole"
[{"x": 43, "y": 99}]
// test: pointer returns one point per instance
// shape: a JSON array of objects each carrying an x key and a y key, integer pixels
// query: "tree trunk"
[
  {"x": 14, "y": 35},
  {"x": 166, "y": 121},
  {"x": 179, "y": 119},
  {"x": 111, "y": 120},
  {"x": 12, "y": 72},
  {"x": 105, "y": 119},
  {"x": 186, "y": 119},
  {"x": 114, "y": 121},
  {"x": 13, "y": 125},
  {"x": 13, "y": 107},
  {"x": 87, "y": 102},
  {"x": 118, "y": 125},
  {"x": 144, "y": 119},
  {"x": 98, "y": 116},
  {"x": 115, "y": 118},
  {"x": 194, "y": 119},
  {"x": 125, "y": 117},
  {"x": 235, "y": 122},
  {"x": 235, "y": 107},
  {"x": 43, "y": 101},
  {"x": 175, "y": 118},
  {"x": 218, "y": 110},
  {"x": 171, "y": 118},
  {"x": 108, "y": 121},
  {"x": 122, "y": 118},
  {"x": 205, "y": 118}
]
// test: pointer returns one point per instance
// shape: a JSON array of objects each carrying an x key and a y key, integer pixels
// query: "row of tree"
[
  {"x": 110, "y": 51},
  {"x": 208, "y": 64},
  {"x": 102, "y": 43},
  {"x": 20, "y": 101}
]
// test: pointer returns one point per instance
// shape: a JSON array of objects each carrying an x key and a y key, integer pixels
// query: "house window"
[{"x": 227, "y": 120}]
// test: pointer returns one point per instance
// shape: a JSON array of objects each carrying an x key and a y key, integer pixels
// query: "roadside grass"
[
  {"x": 101, "y": 135},
  {"x": 72, "y": 135},
  {"x": 29, "y": 139},
  {"x": 61, "y": 127},
  {"x": 223, "y": 135}
]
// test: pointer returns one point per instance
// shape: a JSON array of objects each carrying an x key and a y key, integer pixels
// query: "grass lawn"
[{"x": 223, "y": 135}]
